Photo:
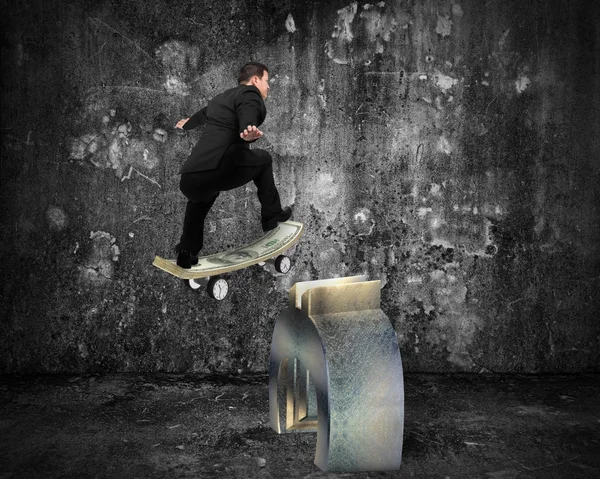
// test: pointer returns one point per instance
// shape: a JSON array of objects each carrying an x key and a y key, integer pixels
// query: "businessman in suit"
[{"x": 222, "y": 159}]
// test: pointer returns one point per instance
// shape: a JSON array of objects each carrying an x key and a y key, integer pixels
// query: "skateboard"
[{"x": 209, "y": 269}]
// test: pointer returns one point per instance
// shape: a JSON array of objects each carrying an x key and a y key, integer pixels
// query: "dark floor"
[{"x": 466, "y": 426}]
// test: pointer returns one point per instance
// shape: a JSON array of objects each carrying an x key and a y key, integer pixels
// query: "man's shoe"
[
  {"x": 186, "y": 260},
  {"x": 286, "y": 214}
]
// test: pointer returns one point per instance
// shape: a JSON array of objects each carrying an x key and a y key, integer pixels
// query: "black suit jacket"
[{"x": 225, "y": 117}]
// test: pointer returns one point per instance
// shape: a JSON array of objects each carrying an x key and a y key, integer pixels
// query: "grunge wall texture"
[{"x": 448, "y": 148}]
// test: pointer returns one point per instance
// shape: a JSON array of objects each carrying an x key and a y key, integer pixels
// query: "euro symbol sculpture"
[{"x": 335, "y": 368}]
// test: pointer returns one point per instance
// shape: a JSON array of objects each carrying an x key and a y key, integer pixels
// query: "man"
[{"x": 222, "y": 158}]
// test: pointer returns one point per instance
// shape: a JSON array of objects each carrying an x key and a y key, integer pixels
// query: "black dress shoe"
[
  {"x": 271, "y": 223},
  {"x": 186, "y": 260}
]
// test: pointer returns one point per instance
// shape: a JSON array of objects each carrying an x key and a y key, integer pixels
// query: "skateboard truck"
[
  {"x": 281, "y": 263},
  {"x": 217, "y": 286}
]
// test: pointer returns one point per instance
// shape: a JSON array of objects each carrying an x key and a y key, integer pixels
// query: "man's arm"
[
  {"x": 251, "y": 113},
  {"x": 197, "y": 119},
  {"x": 251, "y": 133}
]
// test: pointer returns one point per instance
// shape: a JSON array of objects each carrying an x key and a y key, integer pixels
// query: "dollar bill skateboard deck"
[{"x": 208, "y": 271}]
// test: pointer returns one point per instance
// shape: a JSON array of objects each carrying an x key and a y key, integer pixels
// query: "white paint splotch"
[
  {"x": 522, "y": 83},
  {"x": 339, "y": 48},
  {"x": 321, "y": 95},
  {"x": 444, "y": 145},
  {"x": 444, "y": 25},
  {"x": 378, "y": 25},
  {"x": 57, "y": 218},
  {"x": 290, "y": 25},
  {"x": 179, "y": 61},
  {"x": 159, "y": 135},
  {"x": 503, "y": 40},
  {"x": 363, "y": 222},
  {"x": 444, "y": 82},
  {"x": 457, "y": 10},
  {"x": 176, "y": 86},
  {"x": 325, "y": 194}
]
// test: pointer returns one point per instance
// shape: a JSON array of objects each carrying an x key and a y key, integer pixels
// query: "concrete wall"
[{"x": 449, "y": 149}]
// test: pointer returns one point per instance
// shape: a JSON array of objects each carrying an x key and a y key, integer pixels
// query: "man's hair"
[{"x": 250, "y": 69}]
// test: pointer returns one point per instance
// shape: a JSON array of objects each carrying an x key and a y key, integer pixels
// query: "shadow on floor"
[{"x": 163, "y": 426}]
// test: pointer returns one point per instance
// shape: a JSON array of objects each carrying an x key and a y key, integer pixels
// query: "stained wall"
[{"x": 449, "y": 149}]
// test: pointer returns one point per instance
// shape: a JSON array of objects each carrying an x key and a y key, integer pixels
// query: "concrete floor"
[{"x": 162, "y": 426}]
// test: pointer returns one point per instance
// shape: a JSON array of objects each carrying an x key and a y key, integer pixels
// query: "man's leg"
[
  {"x": 192, "y": 237},
  {"x": 268, "y": 196},
  {"x": 195, "y": 186},
  {"x": 262, "y": 175}
]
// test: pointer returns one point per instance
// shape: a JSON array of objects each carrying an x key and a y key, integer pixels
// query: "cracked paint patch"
[
  {"x": 374, "y": 31},
  {"x": 440, "y": 297},
  {"x": 57, "y": 218},
  {"x": 86, "y": 145},
  {"x": 99, "y": 266},
  {"x": 141, "y": 155},
  {"x": 116, "y": 150}
]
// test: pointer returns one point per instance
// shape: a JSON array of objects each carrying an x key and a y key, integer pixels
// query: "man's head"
[{"x": 257, "y": 74}]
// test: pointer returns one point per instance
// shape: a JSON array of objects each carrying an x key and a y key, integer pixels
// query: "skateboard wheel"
[
  {"x": 217, "y": 288},
  {"x": 192, "y": 284},
  {"x": 283, "y": 264}
]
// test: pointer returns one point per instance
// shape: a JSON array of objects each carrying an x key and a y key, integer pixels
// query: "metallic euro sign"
[{"x": 335, "y": 368}]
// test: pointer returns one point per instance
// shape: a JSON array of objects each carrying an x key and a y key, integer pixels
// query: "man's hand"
[
  {"x": 180, "y": 123},
  {"x": 251, "y": 133}
]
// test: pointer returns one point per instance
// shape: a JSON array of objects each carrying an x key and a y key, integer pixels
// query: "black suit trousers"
[{"x": 238, "y": 166}]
